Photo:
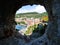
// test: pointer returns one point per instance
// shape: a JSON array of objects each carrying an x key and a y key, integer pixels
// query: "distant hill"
[
  {"x": 31, "y": 14},
  {"x": 27, "y": 13}
]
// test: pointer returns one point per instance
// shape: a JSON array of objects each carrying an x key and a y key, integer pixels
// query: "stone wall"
[{"x": 8, "y": 9}]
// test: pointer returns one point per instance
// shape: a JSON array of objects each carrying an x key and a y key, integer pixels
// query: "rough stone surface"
[{"x": 8, "y": 9}]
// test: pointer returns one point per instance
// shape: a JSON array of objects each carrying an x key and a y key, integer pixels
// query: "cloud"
[
  {"x": 40, "y": 9},
  {"x": 34, "y": 8},
  {"x": 25, "y": 10},
  {"x": 22, "y": 11}
]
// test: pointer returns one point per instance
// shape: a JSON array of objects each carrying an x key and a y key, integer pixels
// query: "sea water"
[{"x": 20, "y": 27}]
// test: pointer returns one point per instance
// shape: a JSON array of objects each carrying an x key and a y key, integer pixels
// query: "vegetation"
[
  {"x": 36, "y": 28},
  {"x": 31, "y": 14},
  {"x": 39, "y": 29},
  {"x": 31, "y": 29},
  {"x": 45, "y": 18},
  {"x": 22, "y": 22}
]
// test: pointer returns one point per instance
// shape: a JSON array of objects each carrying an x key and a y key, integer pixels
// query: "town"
[{"x": 27, "y": 22}]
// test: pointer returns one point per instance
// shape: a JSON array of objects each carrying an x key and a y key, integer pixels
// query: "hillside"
[{"x": 31, "y": 14}]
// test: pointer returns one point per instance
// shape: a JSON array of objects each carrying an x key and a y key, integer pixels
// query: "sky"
[{"x": 33, "y": 8}]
